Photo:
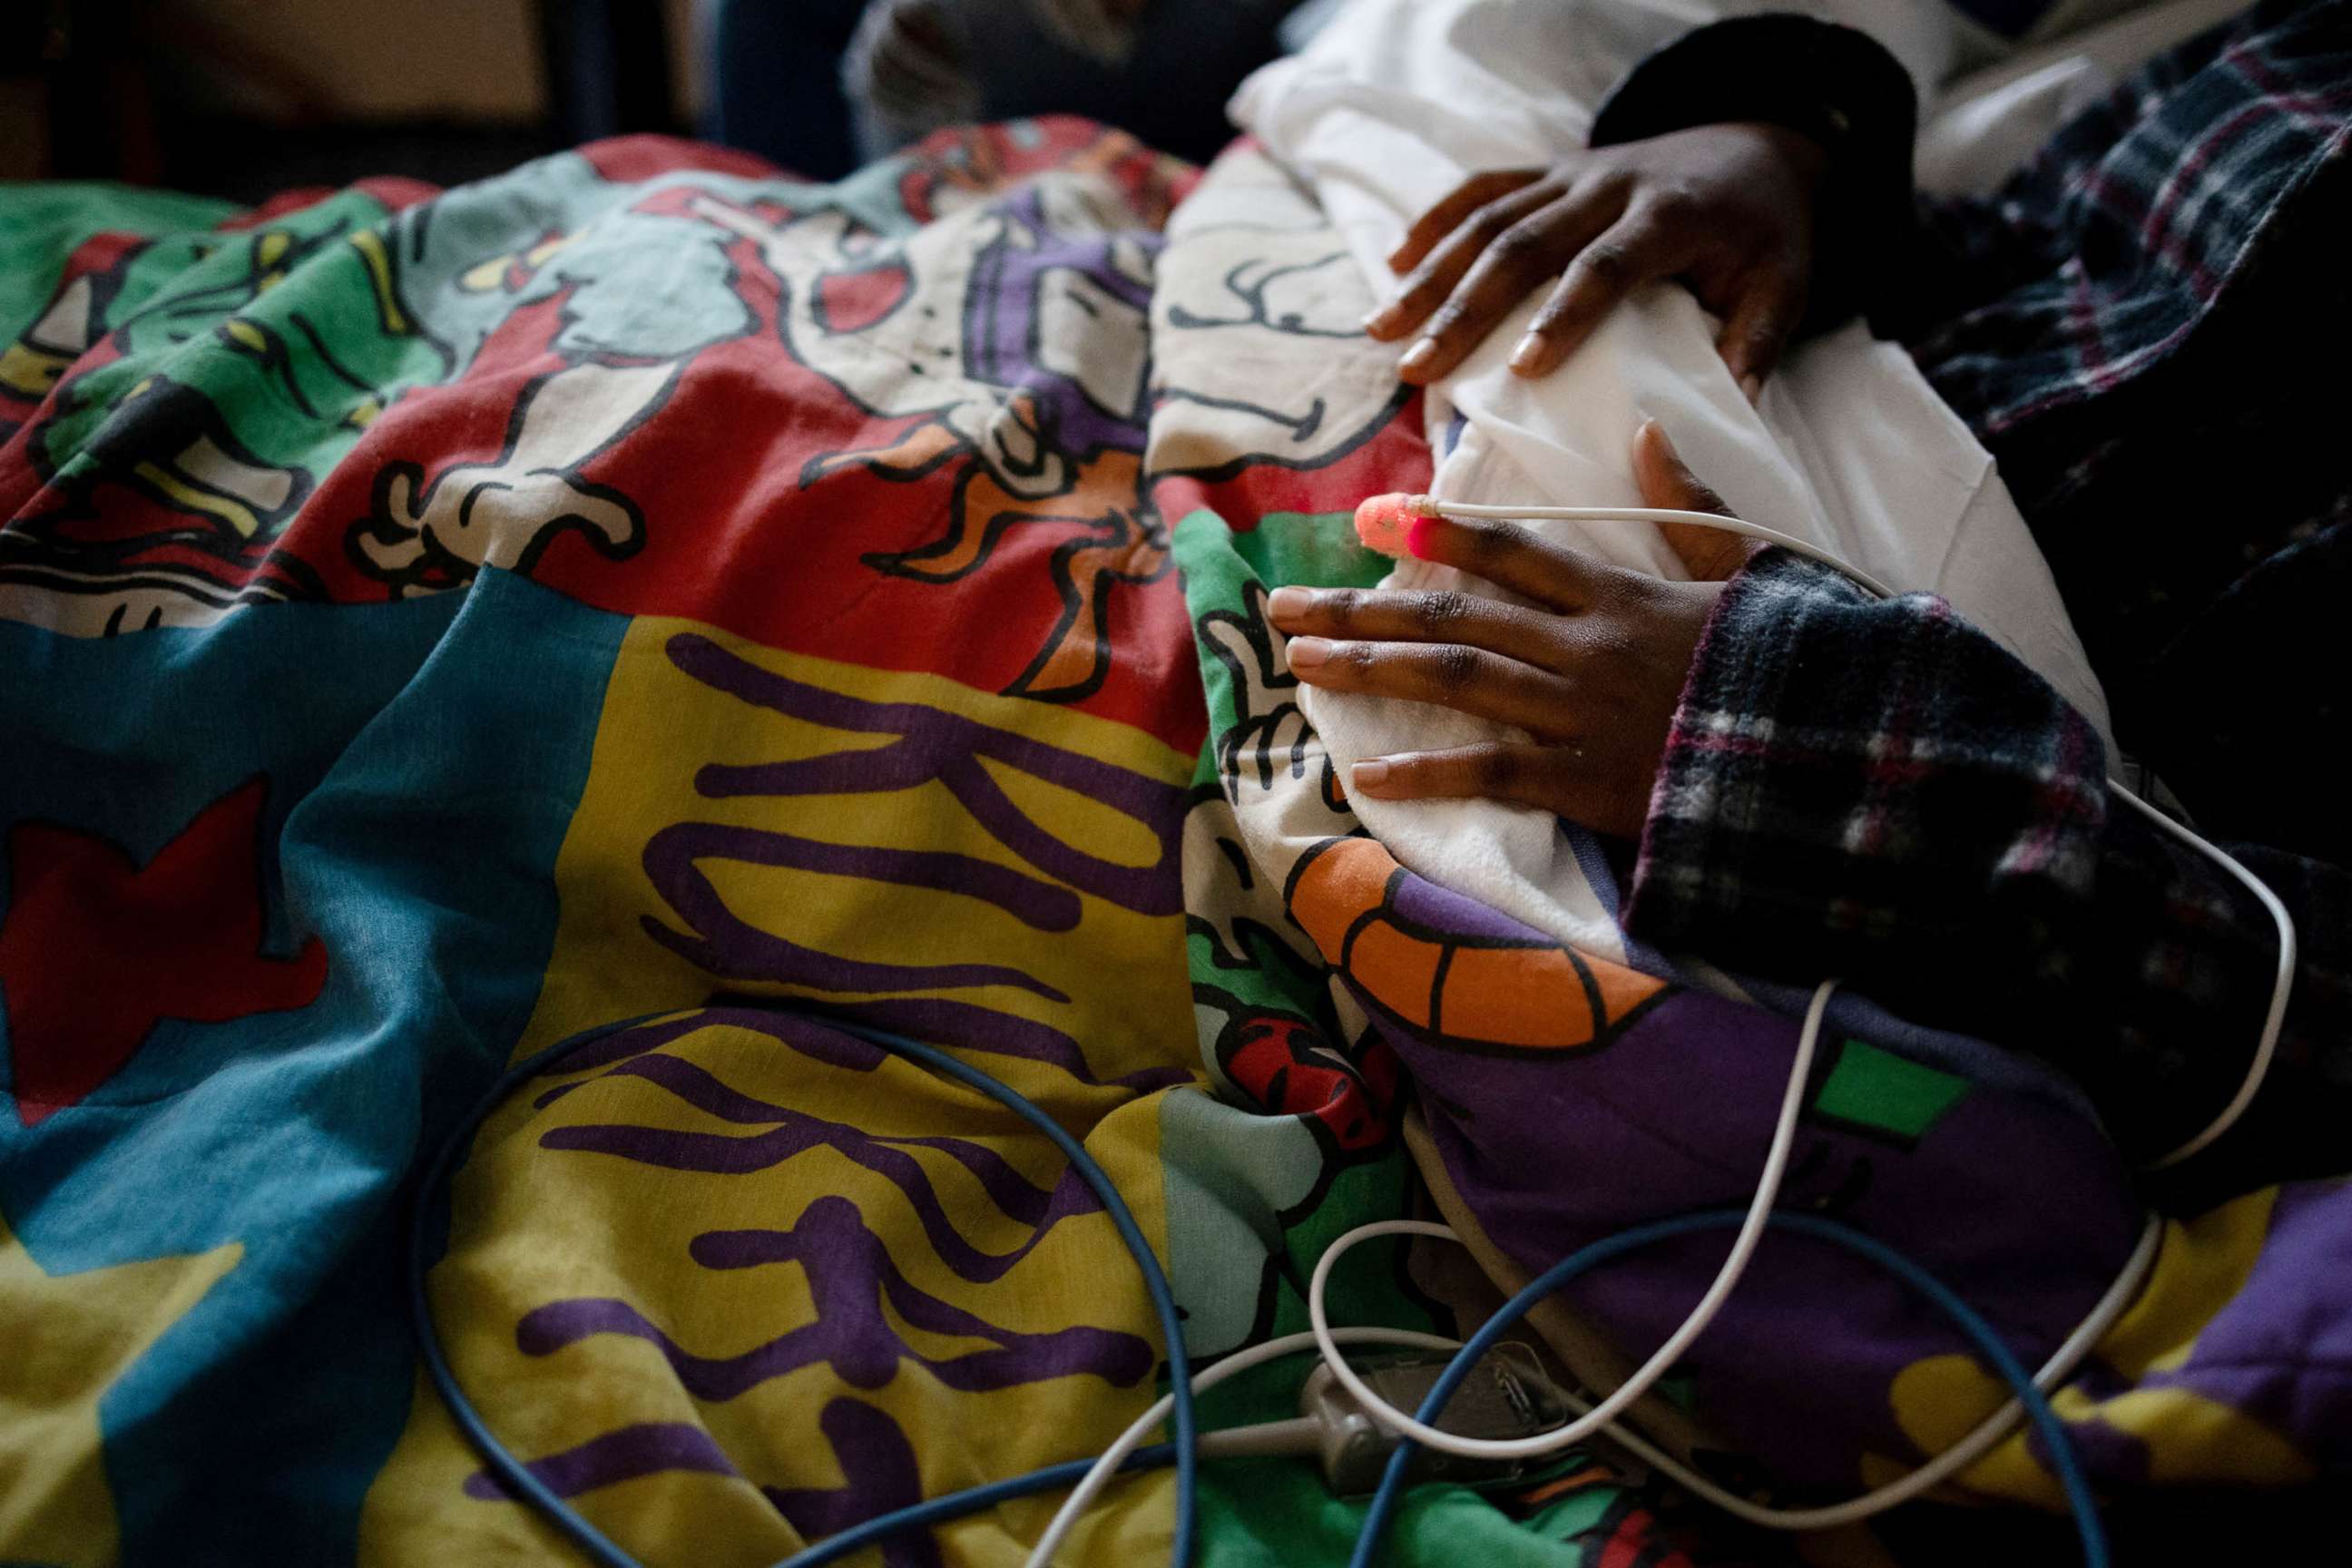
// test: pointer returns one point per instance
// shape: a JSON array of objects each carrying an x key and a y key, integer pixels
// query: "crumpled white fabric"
[{"x": 1394, "y": 104}]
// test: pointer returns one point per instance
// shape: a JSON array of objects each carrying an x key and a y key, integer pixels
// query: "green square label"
[{"x": 1879, "y": 1091}]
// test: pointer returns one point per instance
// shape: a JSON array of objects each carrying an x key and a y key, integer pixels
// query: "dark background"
[{"x": 242, "y": 97}]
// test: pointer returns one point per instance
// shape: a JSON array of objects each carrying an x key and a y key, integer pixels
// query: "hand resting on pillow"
[{"x": 1728, "y": 209}]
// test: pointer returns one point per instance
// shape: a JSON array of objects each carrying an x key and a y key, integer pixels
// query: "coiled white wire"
[
  {"x": 1980, "y": 1440},
  {"x": 1327, "y": 1340},
  {"x": 1743, "y": 1248},
  {"x": 1090, "y": 1486}
]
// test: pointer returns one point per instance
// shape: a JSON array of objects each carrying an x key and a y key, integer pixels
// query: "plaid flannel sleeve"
[{"x": 1876, "y": 790}]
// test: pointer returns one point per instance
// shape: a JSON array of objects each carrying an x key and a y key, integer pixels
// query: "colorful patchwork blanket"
[{"x": 644, "y": 586}]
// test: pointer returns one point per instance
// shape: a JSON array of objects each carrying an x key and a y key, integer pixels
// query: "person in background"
[
  {"x": 1160, "y": 69},
  {"x": 2140, "y": 326}
]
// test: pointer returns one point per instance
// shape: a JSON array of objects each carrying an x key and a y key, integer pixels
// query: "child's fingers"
[
  {"x": 1496, "y": 770},
  {"x": 1517, "y": 262},
  {"x": 1395, "y": 615},
  {"x": 1710, "y": 554},
  {"x": 1637, "y": 248},
  {"x": 1429, "y": 285},
  {"x": 1508, "y": 556},
  {"x": 1561, "y": 779},
  {"x": 1450, "y": 675},
  {"x": 1453, "y": 206},
  {"x": 1664, "y": 478},
  {"x": 1761, "y": 323}
]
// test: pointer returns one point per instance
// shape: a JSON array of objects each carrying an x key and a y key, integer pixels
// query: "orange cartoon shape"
[{"x": 1450, "y": 969}]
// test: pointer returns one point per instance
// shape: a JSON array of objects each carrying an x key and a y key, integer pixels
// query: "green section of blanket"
[
  {"x": 41, "y": 224},
  {"x": 1275, "y": 1033}
]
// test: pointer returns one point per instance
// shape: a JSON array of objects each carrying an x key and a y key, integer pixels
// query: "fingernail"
[
  {"x": 1370, "y": 775},
  {"x": 1753, "y": 385},
  {"x": 1420, "y": 354},
  {"x": 1306, "y": 653},
  {"x": 1530, "y": 348},
  {"x": 1377, "y": 321},
  {"x": 1286, "y": 604},
  {"x": 1416, "y": 537}
]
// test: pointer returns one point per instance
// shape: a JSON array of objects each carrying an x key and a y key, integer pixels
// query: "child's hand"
[
  {"x": 1594, "y": 674},
  {"x": 1728, "y": 209}
]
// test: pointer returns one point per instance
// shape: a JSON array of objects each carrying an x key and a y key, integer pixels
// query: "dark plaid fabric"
[
  {"x": 1874, "y": 789},
  {"x": 2143, "y": 326},
  {"x": 2104, "y": 256}
]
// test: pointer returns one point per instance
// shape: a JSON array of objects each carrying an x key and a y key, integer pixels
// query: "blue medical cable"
[
  {"x": 517, "y": 1475},
  {"x": 1182, "y": 1451},
  {"x": 956, "y": 1505},
  {"x": 2062, "y": 1458}
]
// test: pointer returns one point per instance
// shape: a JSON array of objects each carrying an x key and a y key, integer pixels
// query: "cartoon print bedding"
[{"x": 436, "y": 624}]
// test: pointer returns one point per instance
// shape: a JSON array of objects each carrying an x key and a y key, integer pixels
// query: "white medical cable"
[
  {"x": 2275, "y": 1020},
  {"x": 1287, "y": 1438},
  {"x": 2265, "y": 1046},
  {"x": 1743, "y": 1247},
  {"x": 1090, "y": 1486},
  {"x": 1980, "y": 1440},
  {"x": 1715, "y": 521},
  {"x": 1986, "y": 1435}
]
